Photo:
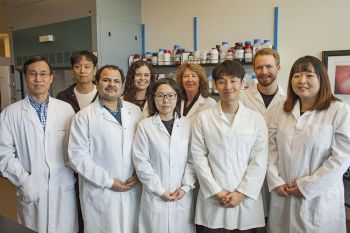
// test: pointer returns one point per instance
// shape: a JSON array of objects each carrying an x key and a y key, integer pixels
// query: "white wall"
[
  {"x": 310, "y": 27},
  {"x": 171, "y": 22},
  {"x": 305, "y": 27},
  {"x": 47, "y": 12}
]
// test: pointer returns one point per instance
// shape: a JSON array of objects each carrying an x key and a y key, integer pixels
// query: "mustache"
[
  {"x": 265, "y": 76},
  {"x": 111, "y": 89}
]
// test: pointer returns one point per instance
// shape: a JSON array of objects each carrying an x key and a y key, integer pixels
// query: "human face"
[
  {"x": 38, "y": 78},
  {"x": 165, "y": 99},
  {"x": 265, "y": 69},
  {"x": 190, "y": 81},
  {"x": 142, "y": 78},
  {"x": 84, "y": 71},
  {"x": 229, "y": 88},
  {"x": 306, "y": 85},
  {"x": 110, "y": 85}
]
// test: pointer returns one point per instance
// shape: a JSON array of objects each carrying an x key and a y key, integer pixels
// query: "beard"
[{"x": 266, "y": 80}]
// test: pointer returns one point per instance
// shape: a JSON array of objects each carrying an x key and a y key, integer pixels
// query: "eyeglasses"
[
  {"x": 161, "y": 96},
  {"x": 34, "y": 74}
]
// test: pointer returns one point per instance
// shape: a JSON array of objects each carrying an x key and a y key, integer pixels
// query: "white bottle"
[
  {"x": 210, "y": 83},
  {"x": 267, "y": 44},
  {"x": 223, "y": 51},
  {"x": 161, "y": 57},
  {"x": 214, "y": 56},
  {"x": 256, "y": 46},
  {"x": 204, "y": 57},
  {"x": 167, "y": 57}
]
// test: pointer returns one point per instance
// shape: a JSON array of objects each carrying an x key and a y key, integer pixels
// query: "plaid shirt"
[
  {"x": 41, "y": 110},
  {"x": 117, "y": 113}
]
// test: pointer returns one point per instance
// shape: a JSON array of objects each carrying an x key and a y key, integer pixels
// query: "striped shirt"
[{"x": 41, "y": 110}]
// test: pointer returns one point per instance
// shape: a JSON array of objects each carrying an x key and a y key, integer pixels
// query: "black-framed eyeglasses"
[{"x": 169, "y": 96}]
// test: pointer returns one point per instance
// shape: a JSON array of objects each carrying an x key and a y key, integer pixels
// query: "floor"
[{"x": 8, "y": 201}]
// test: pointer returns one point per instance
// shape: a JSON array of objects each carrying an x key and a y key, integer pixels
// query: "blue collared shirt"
[
  {"x": 41, "y": 110},
  {"x": 116, "y": 113}
]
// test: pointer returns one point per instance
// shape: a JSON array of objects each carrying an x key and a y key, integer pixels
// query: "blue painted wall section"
[
  {"x": 275, "y": 29},
  {"x": 143, "y": 39},
  {"x": 195, "y": 33}
]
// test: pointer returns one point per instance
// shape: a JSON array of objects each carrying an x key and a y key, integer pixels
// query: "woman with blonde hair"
[{"x": 194, "y": 85}]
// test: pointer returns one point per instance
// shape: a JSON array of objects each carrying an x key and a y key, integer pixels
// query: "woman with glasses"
[
  {"x": 160, "y": 154},
  {"x": 194, "y": 85},
  {"x": 139, "y": 79},
  {"x": 308, "y": 154}
]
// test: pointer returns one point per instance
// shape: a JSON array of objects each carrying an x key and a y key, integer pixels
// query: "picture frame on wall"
[{"x": 338, "y": 67}]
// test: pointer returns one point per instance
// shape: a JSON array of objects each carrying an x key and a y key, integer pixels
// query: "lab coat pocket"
[
  {"x": 99, "y": 197},
  {"x": 310, "y": 211},
  {"x": 27, "y": 192}
]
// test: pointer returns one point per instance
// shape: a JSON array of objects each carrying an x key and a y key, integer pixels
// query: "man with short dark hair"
[
  {"x": 99, "y": 150},
  {"x": 33, "y": 151},
  {"x": 83, "y": 91},
  {"x": 229, "y": 149}
]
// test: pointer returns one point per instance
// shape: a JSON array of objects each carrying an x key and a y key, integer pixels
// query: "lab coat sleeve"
[
  {"x": 66, "y": 136},
  {"x": 189, "y": 179},
  {"x": 255, "y": 174},
  {"x": 199, "y": 150},
  {"x": 79, "y": 155},
  {"x": 333, "y": 168},
  {"x": 273, "y": 177},
  {"x": 10, "y": 166},
  {"x": 142, "y": 162}
]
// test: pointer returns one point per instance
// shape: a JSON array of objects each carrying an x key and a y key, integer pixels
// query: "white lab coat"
[
  {"x": 145, "y": 111},
  {"x": 34, "y": 161},
  {"x": 161, "y": 165},
  {"x": 313, "y": 150},
  {"x": 232, "y": 158},
  {"x": 200, "y": 105},
  {"x": 100, "y": 151},
  {"x": 252, "y": 99}
]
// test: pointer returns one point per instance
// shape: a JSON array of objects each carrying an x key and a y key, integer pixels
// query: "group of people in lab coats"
[{"x": 165, "y": 157}]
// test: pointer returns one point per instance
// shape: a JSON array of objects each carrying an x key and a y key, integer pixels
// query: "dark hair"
[
  {"x": 129, "y": 89},
  {"x": 76, "y": 57},
  {"x": 111, "y": 67},
  {"x": 199, "y": 70},
  {"x": 325, "y": 96},
  {"x": 33, "y": 60},
  {"x": 229, "y": 68},
  {"x": 151, "y": 100}
]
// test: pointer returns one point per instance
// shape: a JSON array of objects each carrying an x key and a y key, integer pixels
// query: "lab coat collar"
[
  {"x": 255, "y": 91},
  {"x": 32, "y": 115},
  {"x": 200, "y": 101},
  {"x": 156, "y": 120},
  {"x": 108, "y": 116},
  {"x": 241, "y": 113}
]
